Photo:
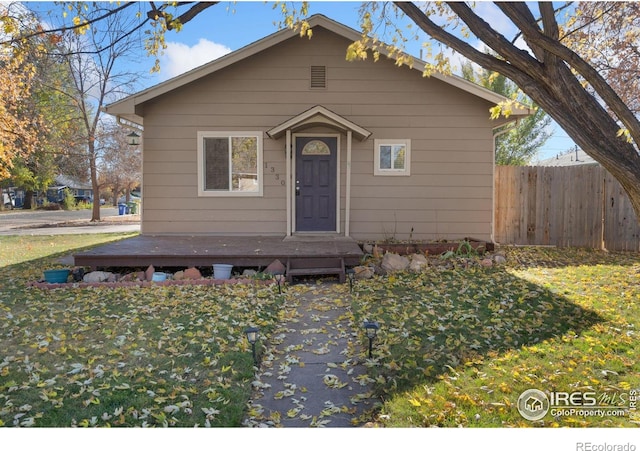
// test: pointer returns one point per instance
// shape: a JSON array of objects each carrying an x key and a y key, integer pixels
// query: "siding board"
[{"x": 448, "y": 195}]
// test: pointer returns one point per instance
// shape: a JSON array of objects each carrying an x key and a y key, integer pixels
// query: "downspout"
[
  {"x": 289, "y": 181},
  {"x": 347, "y": 206}
]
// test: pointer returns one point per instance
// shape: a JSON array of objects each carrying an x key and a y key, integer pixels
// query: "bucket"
[
  {"x": 221, "y": 271},
  {"x": 159, "y": 277}
]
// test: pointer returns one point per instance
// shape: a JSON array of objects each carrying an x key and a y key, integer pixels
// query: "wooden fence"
[{"x": 581, "y": 206}]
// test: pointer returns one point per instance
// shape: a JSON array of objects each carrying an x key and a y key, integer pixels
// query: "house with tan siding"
[{"x": 286, "y": 137}]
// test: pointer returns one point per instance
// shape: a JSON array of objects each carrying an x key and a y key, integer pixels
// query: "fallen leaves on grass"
[
  {"x": 457, "y": 346},
  {"x": 159, "y": 356}
]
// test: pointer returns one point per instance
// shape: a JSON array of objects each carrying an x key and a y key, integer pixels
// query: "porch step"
[{"x": 316, "y": 266}]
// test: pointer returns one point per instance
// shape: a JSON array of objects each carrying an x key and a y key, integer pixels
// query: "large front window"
[{"x": 229, "y": 163}]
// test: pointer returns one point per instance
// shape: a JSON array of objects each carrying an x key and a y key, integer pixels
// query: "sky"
[{"x": 230, "y": 26}]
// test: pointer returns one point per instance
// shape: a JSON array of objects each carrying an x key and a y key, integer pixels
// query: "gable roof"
[
  {"x": 126, "y": 108},
  {"x": 574, "y": 158},
  {"x": 319, "y": 115}
]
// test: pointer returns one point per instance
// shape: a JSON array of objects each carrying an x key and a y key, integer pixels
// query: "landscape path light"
[
  {"x": 279, "y": 276},
  {"x": 371, "y": 328},
  {"x": 351, "y": 274},
  {"x": 252, "y": 338}
]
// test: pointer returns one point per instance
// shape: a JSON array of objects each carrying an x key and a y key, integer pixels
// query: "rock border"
[{"x": 147, "y": 283}]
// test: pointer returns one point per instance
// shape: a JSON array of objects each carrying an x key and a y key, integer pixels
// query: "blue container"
[
  {"x": 122, "y": 208},
  {"x": 56, "y": 275},
  {"x": 159, "y": 277}
]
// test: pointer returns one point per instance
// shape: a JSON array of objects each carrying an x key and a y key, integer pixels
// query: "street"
[{"x": 57, "y": 222}]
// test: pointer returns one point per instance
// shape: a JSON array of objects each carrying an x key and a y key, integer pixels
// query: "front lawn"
[
  {"x": 157, "y": 356},
  {"x": 456, "y": 346}
]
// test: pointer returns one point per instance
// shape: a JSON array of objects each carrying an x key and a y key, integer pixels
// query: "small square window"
[{"x": 392, "y": 157}]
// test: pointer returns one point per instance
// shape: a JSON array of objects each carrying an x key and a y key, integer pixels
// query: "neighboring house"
[
  {"x": 285, "y": 137},
  {"x": 81, "y": 191},
  {"x": 574, "y": 158}
]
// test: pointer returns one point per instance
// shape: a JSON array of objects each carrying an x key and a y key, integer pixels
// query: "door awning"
[{"x": 318, "y": 115}]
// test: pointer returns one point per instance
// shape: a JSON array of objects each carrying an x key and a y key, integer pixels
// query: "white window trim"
[
  {"x": 392, "y": 172},
  {"x": 201, "y": 172}
]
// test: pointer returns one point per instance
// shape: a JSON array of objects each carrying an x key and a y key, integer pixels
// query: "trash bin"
[
  {"x": 132, "y": 207},
  {"x": 122, "y": 209}
]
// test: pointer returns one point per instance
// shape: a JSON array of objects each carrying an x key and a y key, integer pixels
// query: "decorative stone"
[
  {"x": 367, "y": 248},
  {"x": 96, "y": 276},
  {"x": 486, "y": 262},
  {"x": 499, "y": 259},
  {"x": 148, "y": 274},
  {"x": 363, "y": 272},
  {"x": 178, "y": 275},
  {"x": 394, "y": 262},
  {"x": 418, "y": 262},
  {"x": 249, "y": 273},
  {"x": 274, "y": 267},
  {"x": 130, "y": 277},
  {"x": 192, "y": 273}
]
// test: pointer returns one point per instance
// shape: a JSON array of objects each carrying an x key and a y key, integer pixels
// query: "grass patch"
[
  {"x": 22, "y": 248},
  {"x": 457, "y": 347},
  {"x": 135, "y": 357}
]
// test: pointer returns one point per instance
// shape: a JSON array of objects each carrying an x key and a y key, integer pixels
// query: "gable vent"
[{"x": 318, "y": 77}]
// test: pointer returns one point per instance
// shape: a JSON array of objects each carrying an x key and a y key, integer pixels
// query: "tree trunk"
[
  {"x": 95, "y": 212},
  {"x": 28, "y": 200}
]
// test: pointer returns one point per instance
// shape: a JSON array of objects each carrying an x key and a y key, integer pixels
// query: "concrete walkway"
[{"x": 313, "y": 371}]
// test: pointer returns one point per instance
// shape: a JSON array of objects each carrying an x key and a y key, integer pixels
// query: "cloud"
[{"x": 179, "y": 58}]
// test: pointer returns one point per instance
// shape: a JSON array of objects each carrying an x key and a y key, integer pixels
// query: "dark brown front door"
[{"x": 315, "y": 184}]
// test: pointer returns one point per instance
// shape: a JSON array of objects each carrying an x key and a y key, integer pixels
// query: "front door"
[{"x": 315, "y": 184}]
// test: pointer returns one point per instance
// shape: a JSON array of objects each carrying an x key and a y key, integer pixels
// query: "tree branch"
[
  {"x": 521, "y": 59},
  {"x": 182, "y": 19},
  {"x": 65, "y": 28},
  {"x": 532, "y": 34},
  {"x": 194, "y": 11},
  {"x": 428, "y": 26}
]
